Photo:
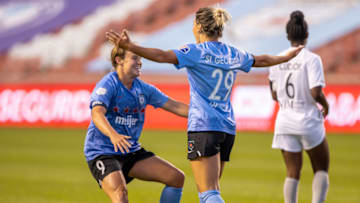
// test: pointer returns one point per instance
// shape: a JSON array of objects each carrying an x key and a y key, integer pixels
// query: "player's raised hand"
[
  {"x": 120, "y": 142},
  {"x": 112, "y": 36},
  {"x": 121, "y": 40}
]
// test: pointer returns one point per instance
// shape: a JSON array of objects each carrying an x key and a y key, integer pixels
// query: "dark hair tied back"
[
  {"x": 297, "y": 17},
  {"x": 297, "y": 28}
]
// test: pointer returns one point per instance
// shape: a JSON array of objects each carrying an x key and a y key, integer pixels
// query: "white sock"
[
  {"x": 291, "y": 190},
  {"x": 320, "y": 186}
]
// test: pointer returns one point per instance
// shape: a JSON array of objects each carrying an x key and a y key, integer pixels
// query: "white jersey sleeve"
[
  {"x": 273, "y": 76},
  {"x": 316, "y": 73},
  {"x": 272, "y": 73}
]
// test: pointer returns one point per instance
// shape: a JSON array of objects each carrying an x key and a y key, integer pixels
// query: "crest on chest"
[{"x": 141, "y": 99}]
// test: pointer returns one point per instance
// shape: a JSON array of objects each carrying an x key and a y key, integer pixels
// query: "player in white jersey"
[
  {"x": 212, "y": 67},
  {"x": 297, "y": 87}
]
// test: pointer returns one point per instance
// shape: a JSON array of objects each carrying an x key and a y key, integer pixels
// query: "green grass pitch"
[{"x": 47, "y": 165}]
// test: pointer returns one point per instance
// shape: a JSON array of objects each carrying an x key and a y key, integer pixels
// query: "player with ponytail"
[
  {"x": 300, "y": 123},
  {"x": 212, "y": 67}
]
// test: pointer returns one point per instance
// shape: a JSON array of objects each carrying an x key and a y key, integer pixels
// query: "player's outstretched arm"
[
  {"x": 119, "y": 141},
  {"x": 318, "y": 95},
  {"x": 176, "y": 107},
  {"x": 123, "y": 41},
  {"x": 270, "y": 60}
]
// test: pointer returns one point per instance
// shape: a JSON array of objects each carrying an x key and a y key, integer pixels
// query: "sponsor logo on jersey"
[
  {"x": 101, "y": 91},
  {"x": 185, "y": 49},
  {"x": 128, "y": 121}
]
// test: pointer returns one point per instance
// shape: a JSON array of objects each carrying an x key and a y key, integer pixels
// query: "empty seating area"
[
  {"x": 341, "y": 58},
  {"x": 63, "y": 54}
]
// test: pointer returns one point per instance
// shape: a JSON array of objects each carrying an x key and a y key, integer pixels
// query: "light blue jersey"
[
  {"x": 212, "y": 68},
  {"x": 125, "y": 113}
]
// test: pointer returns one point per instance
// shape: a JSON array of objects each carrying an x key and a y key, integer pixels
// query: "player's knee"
[
  {"x": 180, "y": 178},
  {"x": 293, "y": 173},
  {"x": 176, "y": 179},
  {"x": 120, "y": 195},
  {"x": 321, "y": 168},
  {"x": 322, "y": 165}
]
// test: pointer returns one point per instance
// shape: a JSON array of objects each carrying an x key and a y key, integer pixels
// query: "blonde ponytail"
[
  {"x": 212, "y": 20},
  {"x": 221, "y": 16}
]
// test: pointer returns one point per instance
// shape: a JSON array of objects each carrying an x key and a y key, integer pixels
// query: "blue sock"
[
  {"x": 171, "y": 195},
  {"x": 211, "y": 196}
]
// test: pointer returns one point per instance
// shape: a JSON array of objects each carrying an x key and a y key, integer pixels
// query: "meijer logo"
[{"x": 128, "y": 120}]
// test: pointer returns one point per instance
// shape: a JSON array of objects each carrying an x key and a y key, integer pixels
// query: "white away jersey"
[{"x": 292, "y": 81}]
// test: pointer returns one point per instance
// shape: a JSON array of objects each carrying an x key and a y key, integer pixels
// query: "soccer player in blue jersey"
[
  {"x": 211, "y": 66},
  {"x": 112, "y": 150}
]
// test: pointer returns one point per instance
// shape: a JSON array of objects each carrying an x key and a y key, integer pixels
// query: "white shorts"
[{"x": 296, "y": 143}]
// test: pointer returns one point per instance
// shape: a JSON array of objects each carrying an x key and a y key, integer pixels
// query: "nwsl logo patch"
[
  {"x": 185, "y": 49},
  {"x": 191, "y": 146},
  {"x": 101, "y": 91}
]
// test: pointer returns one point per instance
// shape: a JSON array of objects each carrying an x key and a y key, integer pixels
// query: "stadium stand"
[
  {"x": 342, "y": 56},
  {"x": 62, "y": 55},
  {"x": 73, "y": 49}
]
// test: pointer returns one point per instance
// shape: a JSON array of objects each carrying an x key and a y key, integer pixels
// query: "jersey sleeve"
[
  {"x": 102, "y": 94},
  {"x": 155, "y": 97},
  {"x": 272, "y": 73},
  {"x": 187, "y": 56},
  {"x": 316, "y": 73},
  {"x": 247, "y": 61},
  {"x": 272, "y": 76}
]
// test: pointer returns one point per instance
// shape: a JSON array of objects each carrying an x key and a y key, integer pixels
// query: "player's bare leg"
[
  {"x": 114, "y": 185},
  {"x": 319, "y": 157},
  {"x": 222, "y": 168},
  {"x": 293, "y": 162},
  {"x": 160, "y": 170},
  {"x": 206, "y": 171}
]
